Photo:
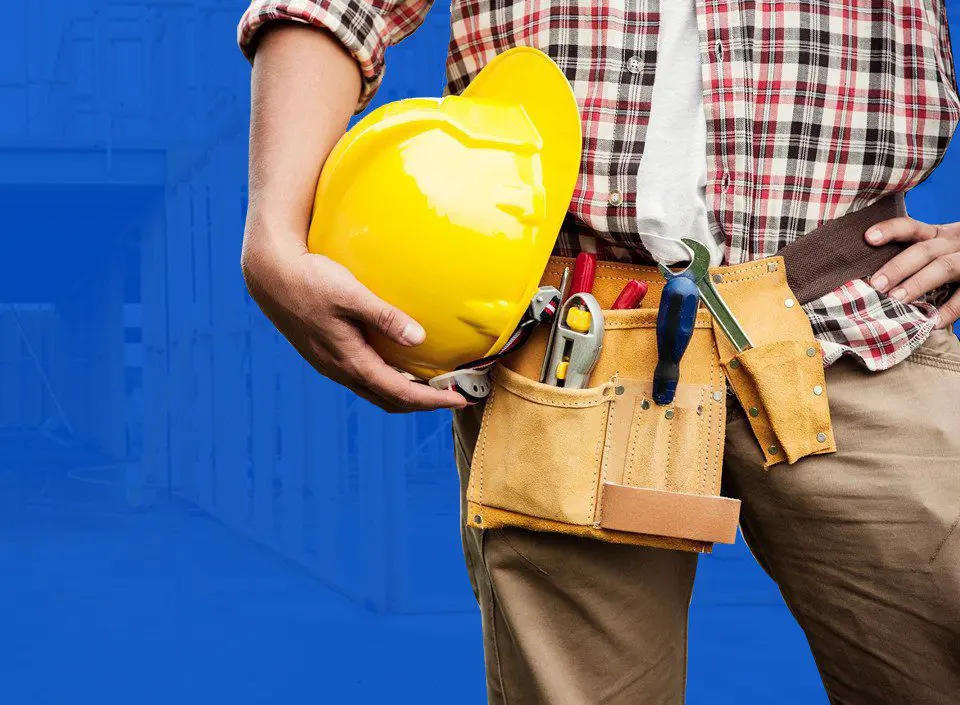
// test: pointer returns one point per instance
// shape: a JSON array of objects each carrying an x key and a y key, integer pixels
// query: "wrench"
[{"x": 698, "y": 271}]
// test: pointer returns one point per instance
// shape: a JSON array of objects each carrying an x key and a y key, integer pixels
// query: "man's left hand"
[{"x": 930, "y": 262}]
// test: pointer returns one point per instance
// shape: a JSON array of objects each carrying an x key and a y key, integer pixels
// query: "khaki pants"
[{"x": 864, "y": 545}]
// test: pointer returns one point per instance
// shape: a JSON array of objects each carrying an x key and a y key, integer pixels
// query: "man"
[{"x": 744, "y": 125}]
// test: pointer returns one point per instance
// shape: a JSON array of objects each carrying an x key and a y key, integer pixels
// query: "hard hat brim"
[{"x": 527, "y": 77}]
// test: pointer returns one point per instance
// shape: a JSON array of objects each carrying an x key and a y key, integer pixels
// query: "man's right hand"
[
  {"x": 304, "y": 88},
  {"x": 321, "y": 308}
]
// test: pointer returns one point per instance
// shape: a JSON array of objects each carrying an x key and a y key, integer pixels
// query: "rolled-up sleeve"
[{"x": 365, "y": 29}]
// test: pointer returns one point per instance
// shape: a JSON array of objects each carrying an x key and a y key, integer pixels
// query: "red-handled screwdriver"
[
  {"x": 631, "y": 295},
  {"x": 584, "y": 270}
]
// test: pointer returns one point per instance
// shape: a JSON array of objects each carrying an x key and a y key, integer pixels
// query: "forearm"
[
  {"x": 305, "y": 87},
  {"x": 303, "y": 92}
]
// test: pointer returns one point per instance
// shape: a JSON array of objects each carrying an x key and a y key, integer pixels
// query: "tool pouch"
[
  {"x": 607, "y": 462},
  {"x": 780, "y": 381}
]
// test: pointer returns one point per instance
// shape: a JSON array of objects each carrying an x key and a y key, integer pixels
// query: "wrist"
[{"x": 278, "y": 231}]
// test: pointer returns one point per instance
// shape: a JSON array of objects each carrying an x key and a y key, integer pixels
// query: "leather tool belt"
[{"x": 606, "y": 462}]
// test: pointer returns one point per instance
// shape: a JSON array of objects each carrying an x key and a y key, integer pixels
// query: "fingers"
[
  {"x": 366, "y": 368},
  {"x": 949, "y": 312},
  {"x": 317, "y": 304},
  {"x": 354, "y": 364},
  {"x": 333, "y": 291},
  {"x": 932, "y": 260},
  {"x": 386, "y": 319},
  {"x": 909, "y": 262},
  {"x": 900, "y": 230},
  {"x": 942, "y": 270}
]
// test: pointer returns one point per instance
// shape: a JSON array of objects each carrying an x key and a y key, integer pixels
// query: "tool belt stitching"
[
  {"x": 597, "y": 460},
  {"x": 700, "y": 449},
  {"x": 650, "y": 277},
  {"x": 733, "y": 279},
  {"x": 728, "y": 271},
  {"x": 713, "y": 480},
  {"x": 632, "y": 453},
  {"x": 627, "y": 267},
  {"x": 630, "y": 325},
  {"x": 584, "y": 404},
  {"x": 482, "y": 440}
]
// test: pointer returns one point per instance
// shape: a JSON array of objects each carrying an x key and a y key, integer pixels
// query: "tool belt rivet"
[
  {"x": 771, "y": 266},
  {"x": 811, "y": 352},
  {"x": 773, "y": 450},
  {"x": 478, "y": 519},
  {"x": 734, "y": 364},
  {"x": 718, "y": 396},
  {"x": 754, "y": 411},
  {"x": 818, "y": 390},
  {"x": 717, "y": 278},
  {"x": 788, "y": 303},
  {"x": 645, "y": 404},
  {"x": 822, "y": 437},
  {"x": 669, "y": 413}
]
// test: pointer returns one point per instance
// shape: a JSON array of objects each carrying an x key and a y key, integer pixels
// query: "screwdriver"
[
  {"x": 584, "y": 271},
  {"x": 631, "y": 295},
  {"x": 675, "y": 320}
]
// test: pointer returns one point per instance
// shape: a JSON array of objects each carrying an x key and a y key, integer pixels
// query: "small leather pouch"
[
  {"x": 780, "y": 381},
  {"x": 606, "y": 461}
]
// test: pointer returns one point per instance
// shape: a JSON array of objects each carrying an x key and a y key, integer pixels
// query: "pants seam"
[
  {"x": 494, "y": 611},
  {"x": 686, "y": 646},
  {"x": 943, "y": 542},
  {"x": 935, "y": 361}
]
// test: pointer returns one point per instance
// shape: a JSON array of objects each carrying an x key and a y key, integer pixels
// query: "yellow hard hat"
[{"x": 449, "y": 208}]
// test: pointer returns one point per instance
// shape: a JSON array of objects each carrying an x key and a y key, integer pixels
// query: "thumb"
[{"x": 389, "y": 320}]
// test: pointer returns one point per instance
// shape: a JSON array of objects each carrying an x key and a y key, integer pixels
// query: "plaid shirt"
[{"x": 814, "y": 108}]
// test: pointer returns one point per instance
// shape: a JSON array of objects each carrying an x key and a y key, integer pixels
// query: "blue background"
[{"x": 187, "y": 514}]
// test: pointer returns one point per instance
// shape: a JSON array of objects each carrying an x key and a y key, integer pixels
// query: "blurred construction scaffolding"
[{"x": 131, "y": 356}]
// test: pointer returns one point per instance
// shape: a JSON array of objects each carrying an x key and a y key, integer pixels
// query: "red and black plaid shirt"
[{"x": 814, "y": 108}]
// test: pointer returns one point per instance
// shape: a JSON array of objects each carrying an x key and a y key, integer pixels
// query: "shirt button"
[
  {"x": 615, "y": 198},
  {"x": 718, "y": 49},
  {"x": 634, "y": 65}
]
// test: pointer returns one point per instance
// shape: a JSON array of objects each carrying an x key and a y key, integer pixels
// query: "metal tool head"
[
  {"x": 545, "y": 303},
  {"x": 698, "y": 270},
  {"x": 699, "y": 261},
  {"x": 580, "y": 349},
  {"x": 473, "y": 385}
]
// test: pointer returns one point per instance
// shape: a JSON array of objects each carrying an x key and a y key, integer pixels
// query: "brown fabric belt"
[{"x": 836, "y": 252}]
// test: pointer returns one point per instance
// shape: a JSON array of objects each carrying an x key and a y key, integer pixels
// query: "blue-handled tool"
[
  {"x": 678, "y": 314},
  {"x": 675, "y": 320}
]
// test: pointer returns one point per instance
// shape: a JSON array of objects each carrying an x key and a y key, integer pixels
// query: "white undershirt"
[{"x": 673, "y": 171}]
